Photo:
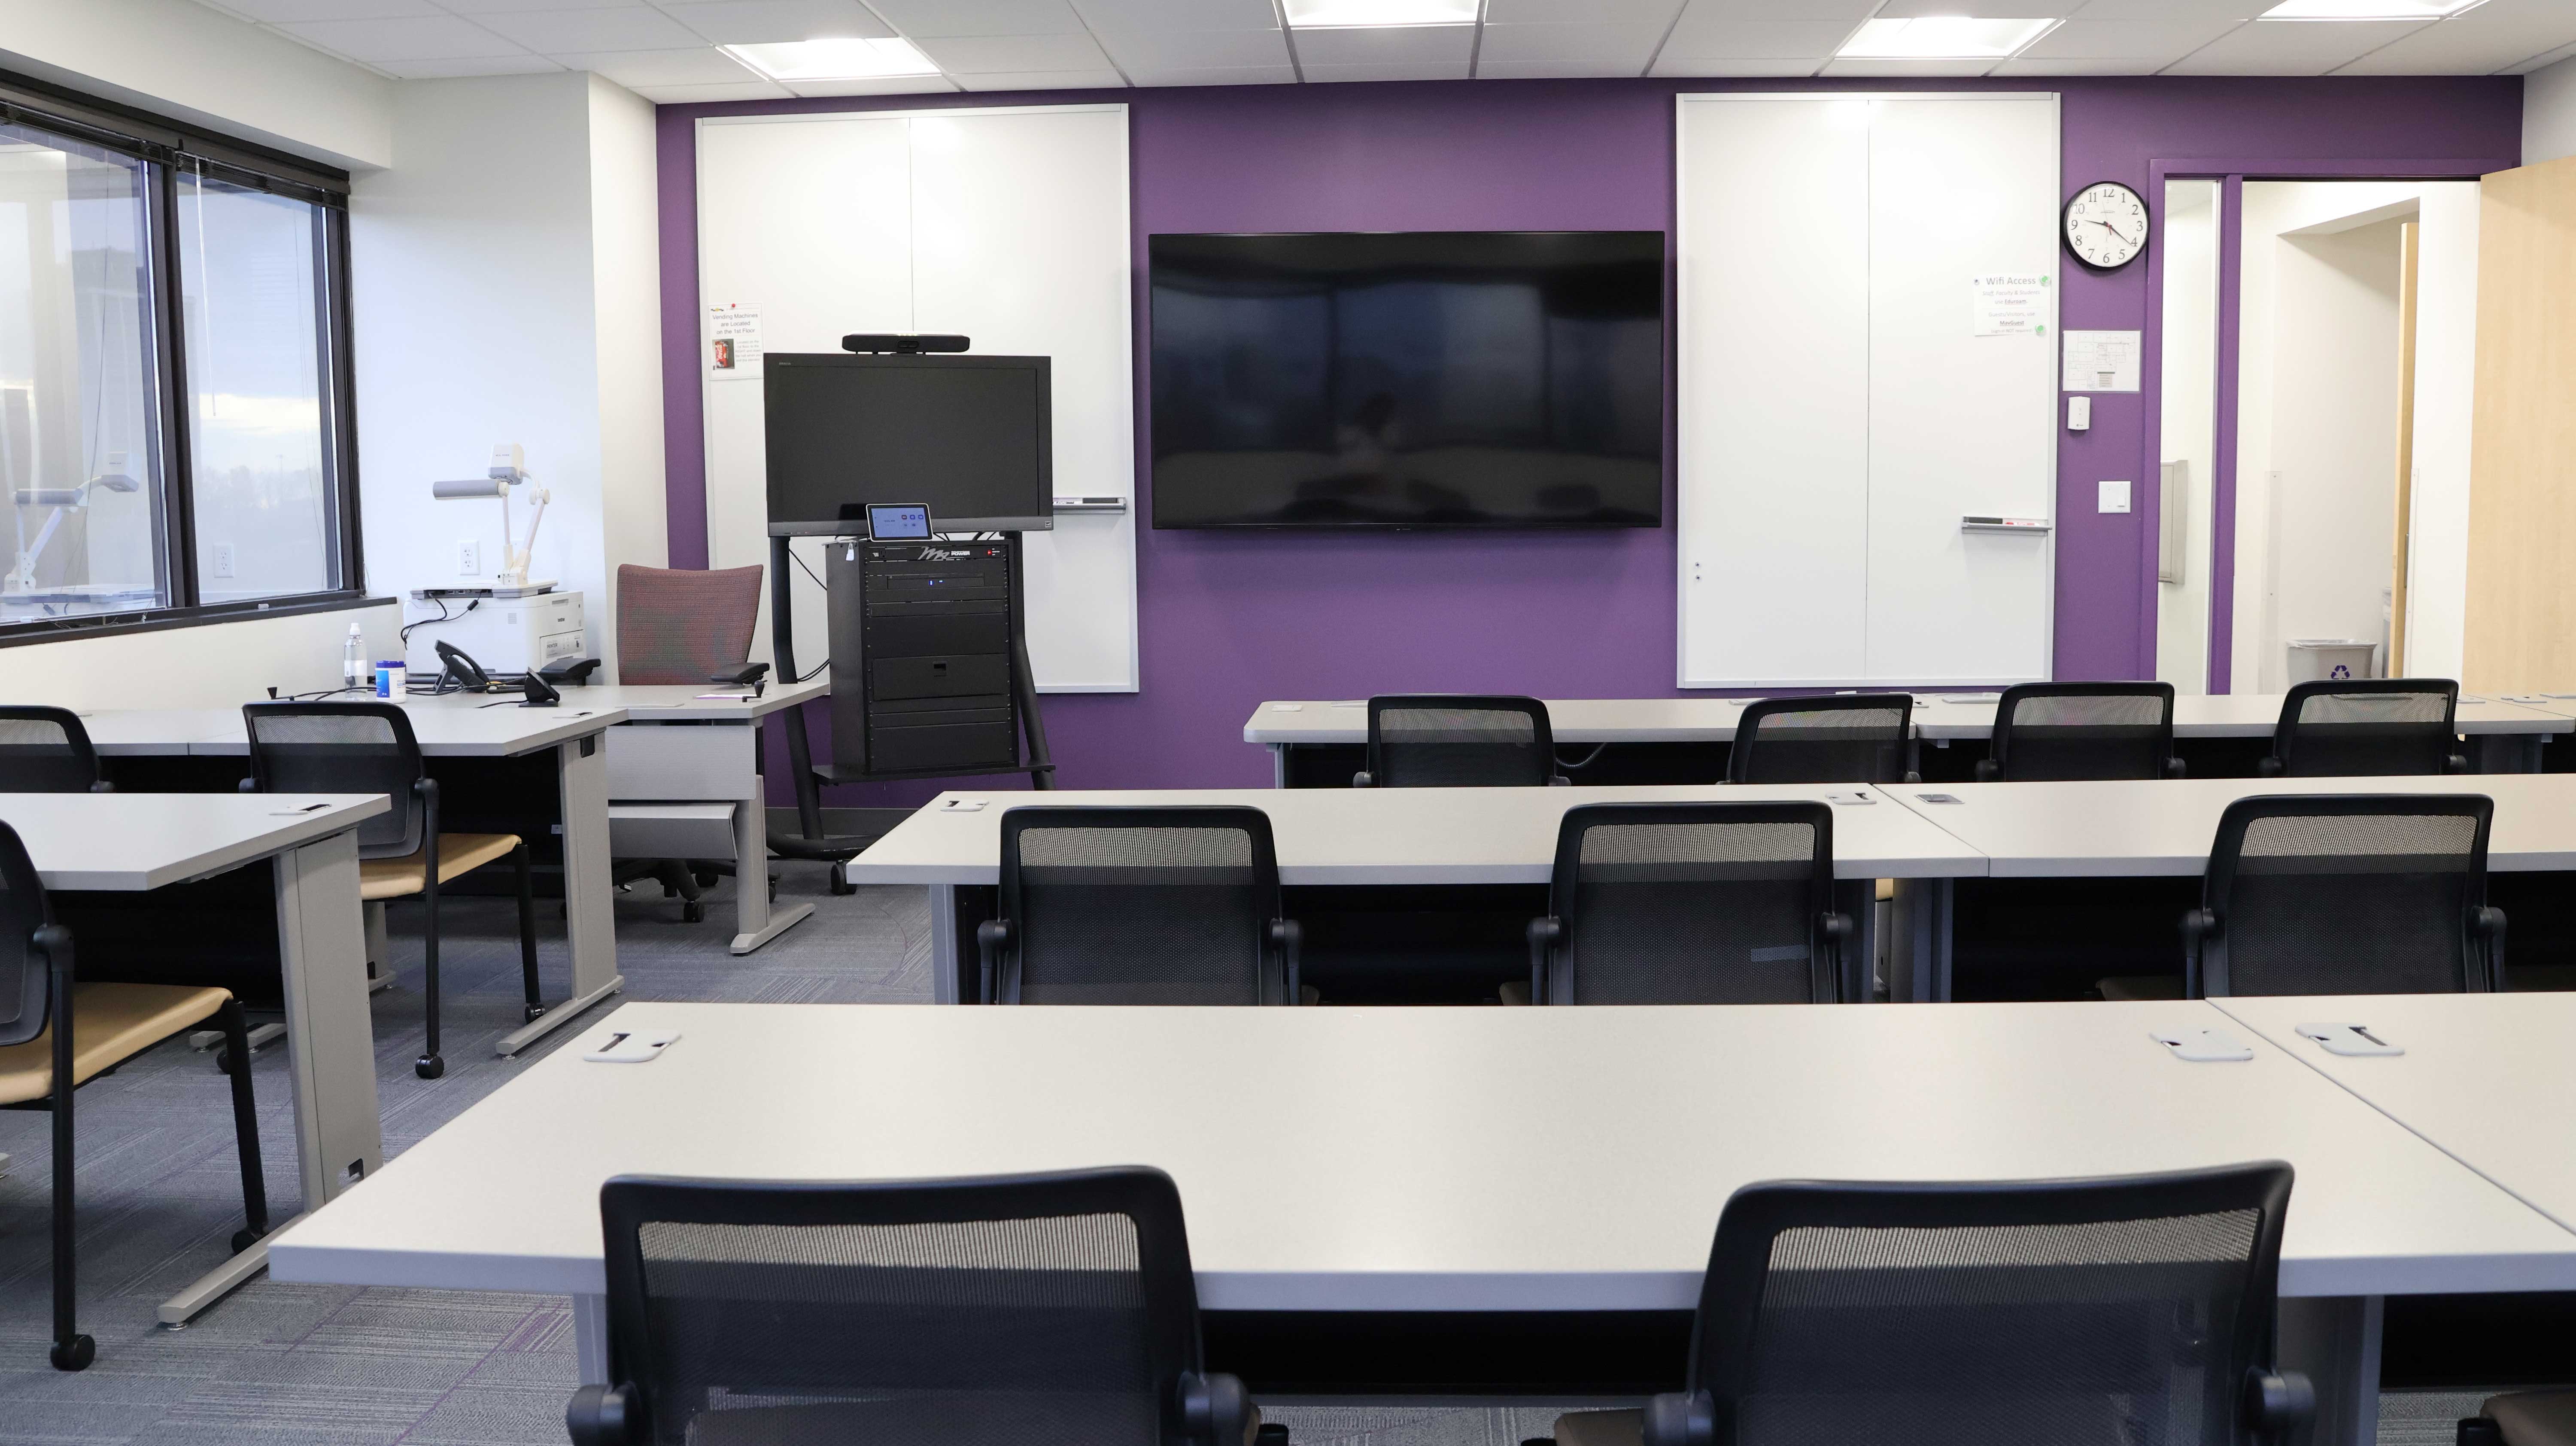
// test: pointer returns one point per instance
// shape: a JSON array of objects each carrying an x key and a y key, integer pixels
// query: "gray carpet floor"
[{"x": 343, "y": 1366}]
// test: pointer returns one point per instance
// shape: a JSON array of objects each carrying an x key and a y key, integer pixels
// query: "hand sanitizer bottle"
[{"x": 353, "y": 658}]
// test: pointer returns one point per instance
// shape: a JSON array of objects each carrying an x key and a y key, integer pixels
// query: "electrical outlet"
[
  {"x": 223, "y": 559},
  {"x": 469, "y": 558}
]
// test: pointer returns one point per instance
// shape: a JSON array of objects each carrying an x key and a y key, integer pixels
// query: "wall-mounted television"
[
  {"x": 970, "y": 437},
  {"x": 1451, "y": 379}
]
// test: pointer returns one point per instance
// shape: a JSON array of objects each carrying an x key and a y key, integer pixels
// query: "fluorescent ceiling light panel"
[
  {"x": 2367, "y": 9},
  {"x": 1363, "y": 14},
  {"x": 840, "y": 59},
  {"x": 1944, "y": 37}
]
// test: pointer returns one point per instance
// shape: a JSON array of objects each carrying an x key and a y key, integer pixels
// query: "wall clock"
[{"x": 2106, "y": 225}]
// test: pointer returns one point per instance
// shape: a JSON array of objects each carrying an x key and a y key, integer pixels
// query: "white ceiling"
[{"x": 665, "y": 49}]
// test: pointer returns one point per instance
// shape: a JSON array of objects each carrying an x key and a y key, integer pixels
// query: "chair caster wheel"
[
  {"x": 245, "y": 1238},
  {"x": 429, "y": 1066},
  {"x": 693, "y": 912},
  {"x": 223, "y": 1059},
  {"x": 531, "y": 1013},
  {"x": 841, "y": 881},
  {"x": 75, "y": 1354},
  {"x": 705, "y": 881}
]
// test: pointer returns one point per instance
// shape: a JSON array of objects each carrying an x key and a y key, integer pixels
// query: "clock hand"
[{"x": 2115, "y": 231}]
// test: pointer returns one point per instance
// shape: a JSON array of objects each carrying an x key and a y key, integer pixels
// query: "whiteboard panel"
[
  {"x": 1774, "y": 424},
  {"x": 1009, "y": 225},
  {"x": 1959, "y": 423}
]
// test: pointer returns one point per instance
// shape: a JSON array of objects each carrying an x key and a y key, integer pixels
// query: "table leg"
[
  {"x": 1278, "y": 765},
  {"x": 331, "y": 1045},
  {"x": 379, "y": 978},
  {"x": 943, "y": 945},
  {"x": 2335, "y": 1340},
  {"x": 590, "y": 1338},
  {"x": 1918, "y": 958},
  {"x": 590, "y": 918},
  {"x": 755, "y": 923}
]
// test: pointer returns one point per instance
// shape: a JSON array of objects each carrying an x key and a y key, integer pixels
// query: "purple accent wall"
[{"x": 1228, "y": 620}]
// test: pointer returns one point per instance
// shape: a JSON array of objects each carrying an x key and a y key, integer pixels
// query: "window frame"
[{"x": 170, "y": 148}]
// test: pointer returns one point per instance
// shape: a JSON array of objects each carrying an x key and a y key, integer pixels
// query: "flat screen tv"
[
  {"x": 969, "y": 437},
  {"x": 1461, "y": 379}
]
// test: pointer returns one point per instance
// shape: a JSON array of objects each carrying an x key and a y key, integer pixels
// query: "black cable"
[{"x": 444, "y": 616}]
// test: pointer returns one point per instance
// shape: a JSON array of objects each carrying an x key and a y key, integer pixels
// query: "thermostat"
[{"x": 898, "y": 522}]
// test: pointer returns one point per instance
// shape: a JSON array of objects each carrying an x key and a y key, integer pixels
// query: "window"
[{"x": 174, "y": 438}]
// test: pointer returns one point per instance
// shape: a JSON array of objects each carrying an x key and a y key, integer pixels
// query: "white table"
[
  {"x": 463, "y": 727},
  {"x": 684, "y": 782},
  {"x": 2504, "y": 737},
  {"x": 1390, "y": 837},
  {"x": 132, "y": 842},
  {"x": 1433, "y": 1159},
  {"x": 2488, "y": 1079}
]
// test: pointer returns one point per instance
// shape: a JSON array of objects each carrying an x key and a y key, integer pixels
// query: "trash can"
[{"x": 2315, "y": 660}]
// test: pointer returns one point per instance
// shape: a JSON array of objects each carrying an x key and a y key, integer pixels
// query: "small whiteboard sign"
[
  {"x": 733, "y": 342},
  {"x": 2102, "y": 361},
  {"x": 2009, "y": 303}
]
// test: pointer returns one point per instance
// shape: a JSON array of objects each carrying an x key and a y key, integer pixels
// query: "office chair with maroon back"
[{"x": 685, "y": 627}]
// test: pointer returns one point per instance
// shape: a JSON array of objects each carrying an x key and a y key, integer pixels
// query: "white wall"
[
  {"x": 2187, "y": 426},
  {"x": 2549, "y": 113},
  {"x": 207, "y": 667},
  {"x": 504, "y": 280},
  {"x": 178, "y": 58},
  {"x": 2446, "y": 339}
]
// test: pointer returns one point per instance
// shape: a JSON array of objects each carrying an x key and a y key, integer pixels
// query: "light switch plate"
[
  {"x": 2113, "y": 496},
  {"x": 2079, "y": 414}
]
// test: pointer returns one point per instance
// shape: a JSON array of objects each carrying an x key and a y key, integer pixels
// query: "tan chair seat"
[
  {"x": 2141, "y": 986},
  {"x": 111, "y": 1023},
  {"x": 1601, "y": 1428},
  {"x": 1886, "y": 891},
  {"x": 457, "y": 853},
  {"x": 2535, "y": 1418}
]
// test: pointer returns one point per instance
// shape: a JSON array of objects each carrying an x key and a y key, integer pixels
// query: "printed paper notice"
[
  {"x": 2010, "y": 304},
  {"x": 733, "y": 342},
  {"x": 2102, "y": 361}
]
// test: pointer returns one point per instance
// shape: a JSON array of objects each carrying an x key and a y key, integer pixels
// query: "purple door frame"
[{"x": 2232, "y": 174}]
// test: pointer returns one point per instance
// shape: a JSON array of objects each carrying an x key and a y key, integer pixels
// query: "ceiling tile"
[
  {"x": 1194, "y": 50},
  {"x": 918, "y": 18},
  {"x": 498, "y": 7},
  {"x": 1739, "y": 67},
  {"x": 1851, "y": 12},
  {"x": 1907, "y": 65},
  {"x": 2124, "y": 39},
  {"x": 1658, "y": 13},
  {"x": 637, "y": 69},
  {"x": 1402, "y": 70},
  {"x": 1999, "y": 9},
  {"x": 429, "y": 37},
  {"x": 708, "y": 94},
  {"x": 884, "y": 85},
  {"x": 1395, "y": 45},
  {"x": 765, "y": 22},
  {"x": 1631, "y": 44},
  {"x": 459, "y": 69},
  {"x": 2499, "y": 35},
  {"x": 2290, "y": 47},
  {"x": 1758, "y": 39},
  {"x": 2543, "y": 62},
  {"x": 275, "y": 11},
  {"x": 1556, "y": 69},
  {"x": 2130, "y": 65},
  {"x": 1216, "y": 75},
  {"x": 552, "y": 32},
  {"x": 971, "y": 54},
  {"x": 1172, "y": 16},
  {"x": 1103, "y": 79},
  {"x": 2173, "y": 11}
]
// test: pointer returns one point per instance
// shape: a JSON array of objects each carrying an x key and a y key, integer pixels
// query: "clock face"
[{"x": 2106, "y": 225}]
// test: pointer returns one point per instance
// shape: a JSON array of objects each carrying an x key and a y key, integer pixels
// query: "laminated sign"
[
  {"x": 2010, "y": 304},
  {"x": 733, "y": 342}
]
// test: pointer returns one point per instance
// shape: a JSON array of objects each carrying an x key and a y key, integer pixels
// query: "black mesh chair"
[
  {"x": 1691, "y": 903},
  {"x": 57, "y": 1034},
  {"x": 2082, "y": 730},
  {"x": 2371, "y": 894},
  {"x": 1837, "y": 738},
  {"x": 1457, "y": 740},
  {"x": 2359, "y": 727},
  {"x": 2101, "y": 1312},
  {"x": 1139, "y": 906},
  {"x": 996, "y": 1312},
  {"x": 370, "y": 748},
  {"x": 46, "y": 750}
]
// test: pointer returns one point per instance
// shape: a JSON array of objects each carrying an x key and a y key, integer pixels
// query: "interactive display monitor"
[{"x": 968, "y": 437}]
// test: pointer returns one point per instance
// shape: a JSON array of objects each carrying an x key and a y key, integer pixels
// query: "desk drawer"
[
  {"x": 681, "y": 761},
  {"x": 965, "y": 676}
]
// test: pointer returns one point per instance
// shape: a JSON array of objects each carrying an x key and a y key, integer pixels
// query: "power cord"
[{"x": 444, "y": 616}]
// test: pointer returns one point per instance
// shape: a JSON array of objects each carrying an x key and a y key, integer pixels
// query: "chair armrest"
[
  {"x": 605, "y": 1416},
  {"x": 2199, "y": 926},
  {"x": 991, "y": 938},
  {"x": 2488, "y": 923},
  {"x": 1989, "y": 770},
  {"x": 1839, "y": 930},
  {"x": 2174, "y": 768},
  {"x": 102, "y": 786},
  {"x": 1361, "y": 779},
  {"x": 1543, "y": 936},
  {"x": 1559, "y": 780},
  {"x": 427, "y": 788},
  {"x": 2279, "y": 1404},
  {"x": 247, "y": 785},
  {"x": 1677, "y": 1418},
  {"x": 2267, "y": 768},
  {"x": 1911, "y": 776},
  {"x": 2480, "y": 1431},
  {"x": 1287, "y": 938},
  {"x": 2455, "y": 763},
  {"x": 1215, "y": 1408}
]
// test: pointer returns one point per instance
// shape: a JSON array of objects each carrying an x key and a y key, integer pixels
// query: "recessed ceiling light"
[
  {"x": 839, "y": 59},
  {"x": 2367, "y": 9},
  {"x": 1944, "y": 37},
  {"x": 1363, "y": 14}
]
